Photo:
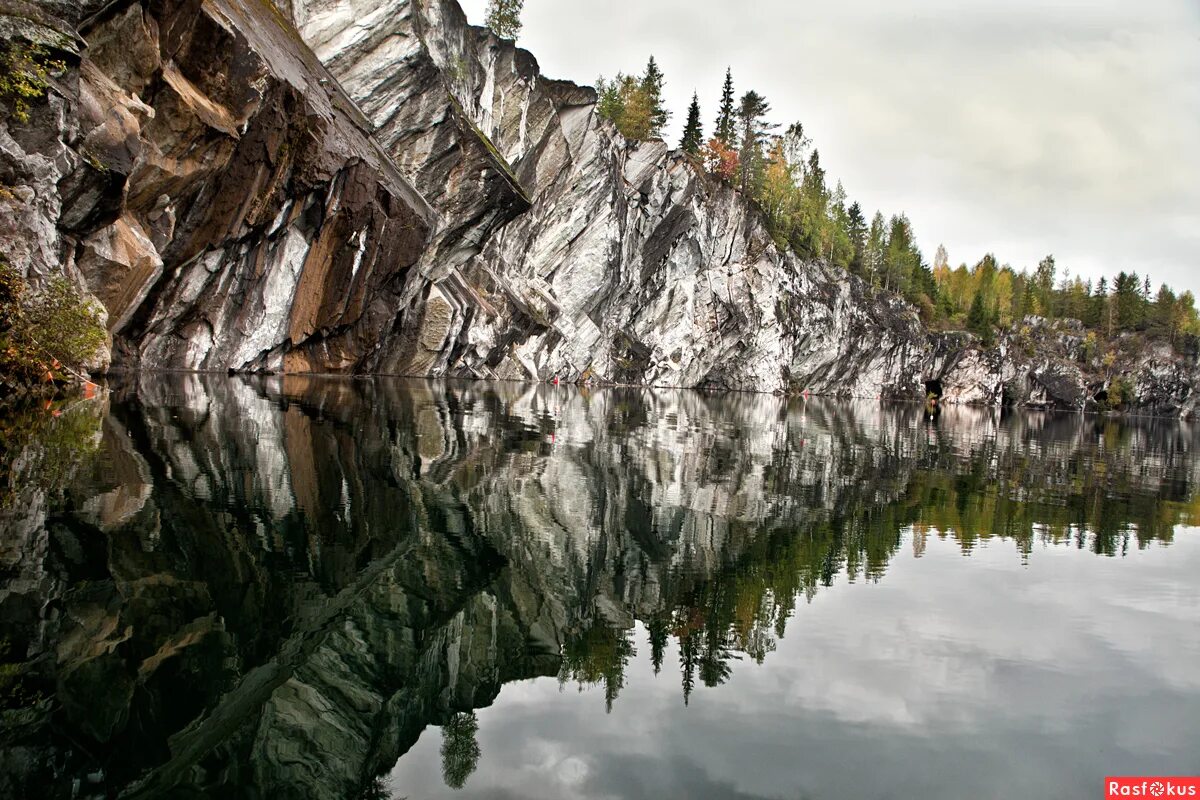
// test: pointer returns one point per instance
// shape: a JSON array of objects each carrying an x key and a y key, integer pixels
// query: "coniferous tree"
[
  {"x": 876, "y": 245},
  {"x": 460, "y": 749},
  {"x": 652, "y": 86},
  {"x": 751, "y": 110},
  {"x": 504, "y": 17},
  {"x": 856, "y": 228},
  {"x": 1164, "y": 313},
  {"x": 693, "y": 134},
  {"x": 1098, "y": 310},
  {"x": 901, "y": 258},
  {"x": 979, "y": 319},
  {"x": 725, "y": 129},
  {"x": 624, "y": 101},
  {"x": 813, "y": 235},
  {"x": 1127, "y": 301},
  {"x": 1043, "y": 281},
  {"x": 659, "y": 628},
  {"x": 608, "y": 98},
  {"x": 841, "y": 247}
]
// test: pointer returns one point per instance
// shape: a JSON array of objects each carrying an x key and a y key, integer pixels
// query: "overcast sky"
[{"x": 1021, "y": 127}]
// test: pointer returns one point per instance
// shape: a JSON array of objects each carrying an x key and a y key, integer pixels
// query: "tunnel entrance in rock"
[{"x": 933, "y": 389}]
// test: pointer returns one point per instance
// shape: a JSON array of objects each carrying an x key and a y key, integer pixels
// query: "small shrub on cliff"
[
  {"x": 1120, "y": 393},
  {"x": 25, "y": 71},
  {"x": 46, "y": 336},
  {"x": 1091, "y": 348}
]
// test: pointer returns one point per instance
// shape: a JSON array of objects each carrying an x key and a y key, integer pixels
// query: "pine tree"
[
  {"x": 608, "y": 98},
  {"x": 726, "y": 127},
  {"x": 504, "y": 17},
  {"x": 751, "y": 111},
  {"x": 1098, "y": 314},
  {"x": 652, "y": 86},
  {"x": 693, "y": 135}
]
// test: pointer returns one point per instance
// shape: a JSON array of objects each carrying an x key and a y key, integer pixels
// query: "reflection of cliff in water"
[{"x": 270, "y": 587}]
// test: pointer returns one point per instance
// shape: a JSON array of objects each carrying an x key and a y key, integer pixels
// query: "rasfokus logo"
[{"x": 1151, "y": 786}]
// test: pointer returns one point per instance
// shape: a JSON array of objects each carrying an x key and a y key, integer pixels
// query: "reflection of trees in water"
[
  {"x": 460, "y": 749},
  {"x": 43, "y": 444},
  {"x": 598, "y": 657},
  {"x": 709, "y": 519},
  {"x": 743, "y": 609}
]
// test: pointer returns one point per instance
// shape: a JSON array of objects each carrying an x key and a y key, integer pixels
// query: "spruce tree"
[
  {"x": 693, "y": 134},
  {"x": 816, "y": 233},
  {"x": 652, "y": 86},
  {"x": 1128, "y": 301},
  {"x": 726, "y": 128},
  {"x": 979, "y": 320},
  {"x": 856, "y": 228}
]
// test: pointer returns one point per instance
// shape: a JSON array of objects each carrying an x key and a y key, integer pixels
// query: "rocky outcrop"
[
  {"x": 206, "y": 179},
  {"x": 1058, "y": 365},
  {"x": 375, "y": 186}
]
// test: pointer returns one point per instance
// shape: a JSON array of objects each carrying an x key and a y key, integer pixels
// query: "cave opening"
[{"x": 933, "y": 389}]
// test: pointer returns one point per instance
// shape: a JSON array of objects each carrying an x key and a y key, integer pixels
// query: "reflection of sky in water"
[
  {"x": 270, "y": 587},
  {"x": 955, "y": 676}
]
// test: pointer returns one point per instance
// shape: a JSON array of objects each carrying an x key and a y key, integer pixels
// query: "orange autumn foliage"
[{"x": 720, "y": 159}]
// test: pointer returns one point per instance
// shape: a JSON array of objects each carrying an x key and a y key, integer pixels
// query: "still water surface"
[{"x": 322, "y": 588}]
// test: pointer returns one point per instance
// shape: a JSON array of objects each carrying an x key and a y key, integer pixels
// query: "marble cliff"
[{"x": 375, "y": 186}]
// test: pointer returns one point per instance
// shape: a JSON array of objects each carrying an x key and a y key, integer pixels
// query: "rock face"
[
  {"x": 210, "y": 183},
  {"x": 628, "y": 266},
  {"x": 1054, "y": 365},
  {"x": 376, "y": 186}
]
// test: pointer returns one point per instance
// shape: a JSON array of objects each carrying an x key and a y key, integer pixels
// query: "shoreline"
[{"x": 1116, "y": 415}]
